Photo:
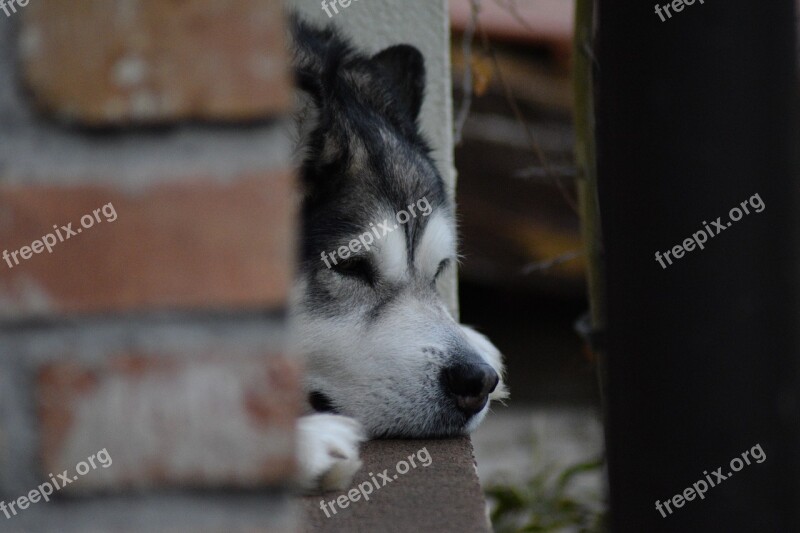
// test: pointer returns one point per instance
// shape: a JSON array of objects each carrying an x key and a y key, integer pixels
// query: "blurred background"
[{"x": 522, "y": 280}]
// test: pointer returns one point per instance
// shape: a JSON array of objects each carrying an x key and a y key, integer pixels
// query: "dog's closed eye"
[
  {"x": 357, "y": 267},
  {"x": 442, "y": 267}
]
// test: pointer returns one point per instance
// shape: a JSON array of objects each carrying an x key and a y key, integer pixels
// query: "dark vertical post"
[{"x": 695, "y": 116}]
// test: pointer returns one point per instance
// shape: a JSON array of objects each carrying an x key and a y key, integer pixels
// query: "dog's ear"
[{"x": 404, "y": 67}]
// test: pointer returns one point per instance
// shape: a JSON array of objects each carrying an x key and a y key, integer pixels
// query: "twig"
[
  {"x": 511, "y": 7},
  {"x": 512, "y": 102},
  {"x": 557, "y": 172},
  {"x": 466, "y": 81},
  {"x": 541, "y": 266},
  {"x": 586, "y": 159}
]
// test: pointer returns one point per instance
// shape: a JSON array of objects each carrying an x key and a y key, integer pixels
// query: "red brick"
[
  {"x": 165, "y": 421},
  {"x": 101, "y": 62},
  {"x": 197, "y": 244}
]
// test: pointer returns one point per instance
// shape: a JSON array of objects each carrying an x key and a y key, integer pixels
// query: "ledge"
[{"x": 444, "y": 496}]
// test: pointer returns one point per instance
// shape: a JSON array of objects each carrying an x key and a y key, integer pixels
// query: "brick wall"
[{"x": 146, "y": 207}]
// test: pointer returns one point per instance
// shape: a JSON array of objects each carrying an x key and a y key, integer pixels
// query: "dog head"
[{"x": 378, "y": 232}]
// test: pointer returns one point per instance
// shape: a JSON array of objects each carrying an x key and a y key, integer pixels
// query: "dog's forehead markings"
[
  {"x": 358, "y": 155},
  {"x": 438, "y": 242},
  {"x": 388, "y": 137},
  {"x": 392, "y": 258},
  {"x": 360, "y": 79}
]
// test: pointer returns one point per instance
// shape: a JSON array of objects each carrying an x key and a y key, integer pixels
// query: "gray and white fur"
[{"x": 384, "y": 357}]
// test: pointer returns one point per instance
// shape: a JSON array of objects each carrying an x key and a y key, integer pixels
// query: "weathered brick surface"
[
  {"x": 241, "y": 512},
  {"x": 200, "y": 421},
  {"x": 199, "y": 244},
  {"x": 158, "y": 336},
  {"x": 101, "y": 62}
]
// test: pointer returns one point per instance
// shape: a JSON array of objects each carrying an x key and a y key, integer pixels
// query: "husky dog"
[{"x": 384, "y": 357}]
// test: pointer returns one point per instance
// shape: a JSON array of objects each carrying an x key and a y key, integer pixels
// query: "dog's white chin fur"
[{"x": 328, "y": 444}]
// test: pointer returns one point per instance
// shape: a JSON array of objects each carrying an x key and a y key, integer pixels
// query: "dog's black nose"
[{"x": 470, "y": 385}]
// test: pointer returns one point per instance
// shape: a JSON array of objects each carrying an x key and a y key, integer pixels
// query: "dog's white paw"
[{"x": 328, "y": 451}]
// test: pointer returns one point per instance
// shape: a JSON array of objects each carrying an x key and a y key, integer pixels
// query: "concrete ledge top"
[{"x": 443, "y": 496}]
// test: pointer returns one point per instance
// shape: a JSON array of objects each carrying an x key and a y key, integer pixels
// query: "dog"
[{"x": 384, "y": 358}]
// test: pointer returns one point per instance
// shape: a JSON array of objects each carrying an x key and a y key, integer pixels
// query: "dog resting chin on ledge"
[{"x": 384, "y": 357}]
